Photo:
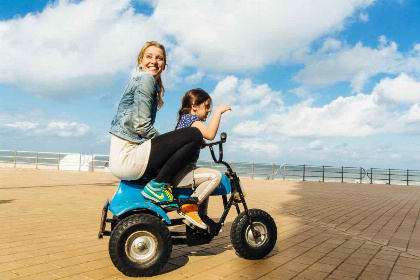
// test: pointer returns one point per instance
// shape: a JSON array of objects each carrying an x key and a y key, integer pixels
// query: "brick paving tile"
[
  {"x": 351, "y": 267},
  {"x": 357, "y": 261},
  {"x": 281, "y": 273},
  {"x": 339, "y": 277},
  {"x": 101, "y": 273},
  {"x": 380, "y": 262},
  {"x": 69, "y": 271},
  {"x": 223, "y": 270},
  {"x": 388, "y": 257},
  {"x": 77, "y": 277},
  {"x": 378, "y": 269},
  {"x": 207, "y": 276},
  {"x": 313, "y": 274},
  {"x": 408, "y": 262},
  {"x": 352, "y": 274},
  {"x": 329, "y": 260},
  {"x": 305, "y": 260},
  {"x": 338, "y": 255},
  {"x": 41, "y": 276},
  {"x": 398, "y": 276},
  {"x": 8, "y": 275},
  {"x": 323, "y": 267},
  {"x": 255, "y": 271},
  {"x": 295, "y": 266},
  {"x": 34, "y": 269},
  {"x": 368, "y": 275},
  {"x": 362, "y": 256},
  {"x": 406, "y": 270}
]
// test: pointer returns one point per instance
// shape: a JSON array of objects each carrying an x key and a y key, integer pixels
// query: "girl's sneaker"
[
  {"x": 158, "y": 192},
  {"x": 190, "y": 213}
]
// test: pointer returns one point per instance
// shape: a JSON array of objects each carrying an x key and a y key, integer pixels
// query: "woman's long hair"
[
  {"x": 196, "y": 96},
  {"x": 159, "y": 79}
]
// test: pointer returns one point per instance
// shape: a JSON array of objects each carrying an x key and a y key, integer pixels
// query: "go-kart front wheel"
[
  {"x": 140, "y": 245},
  {"x": 243, "y": 240}
]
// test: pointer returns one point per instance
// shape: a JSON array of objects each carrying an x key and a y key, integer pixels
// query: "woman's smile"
[{"x": 153, "y": 61}]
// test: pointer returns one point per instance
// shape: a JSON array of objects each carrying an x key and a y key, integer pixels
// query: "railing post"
[
  {"x": 323, "y": 173},
  {"x": 407, "y": 177},
  {"x": 252, "y": 171},
  {"x": 361, "y": 178},
  {"x": 14, "y": 160},
  {"x": 389, "y": 176},
  {"x": 58, "y": 161},
  {"x": 36, "y": 161},
  {"x": 371, "y": 175},
  {"x": 342, "y": 174},
  {"x": 272, "y": 172},
  {"x": 284, "y": 172},
  {"x": 92, "y": 163},
  {"x": 80, "y": 162},
  {"x": 303, "y": 173}
]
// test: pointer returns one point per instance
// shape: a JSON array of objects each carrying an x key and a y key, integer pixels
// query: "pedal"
[{"x": 188, "y": 223}]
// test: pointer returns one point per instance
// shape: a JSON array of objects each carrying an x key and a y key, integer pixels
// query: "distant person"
[
  {"x": 137, "y": 148},
  {"x": 195, "y": 107}
]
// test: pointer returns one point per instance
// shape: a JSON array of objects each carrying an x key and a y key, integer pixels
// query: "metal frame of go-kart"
[{"x": 195, "y": 236}]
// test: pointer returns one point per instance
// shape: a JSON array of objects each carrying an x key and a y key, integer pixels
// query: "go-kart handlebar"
[{"x": 223, "y": 137}]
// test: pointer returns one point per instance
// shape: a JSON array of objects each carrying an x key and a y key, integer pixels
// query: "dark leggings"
[{"x": 172, "y": 151}]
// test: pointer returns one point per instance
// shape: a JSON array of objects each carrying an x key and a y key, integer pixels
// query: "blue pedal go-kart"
[{"x": 141, "y": 242}]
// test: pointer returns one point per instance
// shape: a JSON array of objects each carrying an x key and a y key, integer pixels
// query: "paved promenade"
[{"x": 50, "y": 219}]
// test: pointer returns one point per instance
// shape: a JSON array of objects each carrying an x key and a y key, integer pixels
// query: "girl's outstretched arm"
[{"x": 210, "y": 131}]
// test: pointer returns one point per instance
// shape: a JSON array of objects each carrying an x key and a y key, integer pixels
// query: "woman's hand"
[{"x": 222, "y": 108}]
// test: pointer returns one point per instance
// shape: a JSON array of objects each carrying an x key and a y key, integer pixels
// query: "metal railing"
[
  {"x": 57, "y": 161},
  {"x": 393, "y": 176},
  {"x": 245, "y": 169},
  {"x": 269, "y": 171},
  {"x": 323, "y": 173}
]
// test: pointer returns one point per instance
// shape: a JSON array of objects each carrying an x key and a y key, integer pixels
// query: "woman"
[{"x": 137, "y": 148}]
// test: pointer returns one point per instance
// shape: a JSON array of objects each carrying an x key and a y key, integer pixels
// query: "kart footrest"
[
  {"x": 181, "y": 201},
  {"x": 189, "y": 200}
]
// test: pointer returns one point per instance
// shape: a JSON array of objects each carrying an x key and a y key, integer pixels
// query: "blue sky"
[{"x": 315, "y": 82}]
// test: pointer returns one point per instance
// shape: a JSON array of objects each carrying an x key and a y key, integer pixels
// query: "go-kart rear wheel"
[
  {"x": 140, "y": 245},
  {"x": 243, "y": 240}
]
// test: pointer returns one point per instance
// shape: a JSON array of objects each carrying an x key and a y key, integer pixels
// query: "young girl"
[{"x": 195, "y": 107}]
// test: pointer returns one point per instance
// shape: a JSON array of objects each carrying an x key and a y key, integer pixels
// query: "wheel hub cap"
[
  {"x": 262, "y": 235},
  {"x": 141, "y": 246}
]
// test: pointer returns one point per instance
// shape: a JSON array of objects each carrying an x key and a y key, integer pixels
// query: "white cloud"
[
  {"x": 364, "y": 17},
  {"x": 71, "y": 47},
  {"x": 402, "y": 89},
  {"x": 13, "y": 124},
  {"x": 356, "y": 63},
  {"x": 254, "y": 147},
  {"x": 237, "y": 36},
  {"x": 316, "y": 145},
  {"x": 244, "y": 97},
  {"x": 66, "y": 129},
  {"x": 22, "y": 125},
  {"x": 355, "y": 116},
  {"x": 194, "y": 78},
  {"x": 249, "y": 128}
]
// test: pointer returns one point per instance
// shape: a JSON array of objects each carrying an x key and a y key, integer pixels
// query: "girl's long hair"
[
  {"x": 196, "y": 96},
  {"x": 159, "y": 79}
]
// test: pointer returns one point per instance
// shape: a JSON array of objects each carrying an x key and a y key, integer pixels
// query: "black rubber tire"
[
  {"x": 144, "y": 224},
  {"x": 238, "y": 234}
]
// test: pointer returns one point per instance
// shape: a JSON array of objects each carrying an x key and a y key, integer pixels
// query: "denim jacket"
[{"x": 136, "y": 112}]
